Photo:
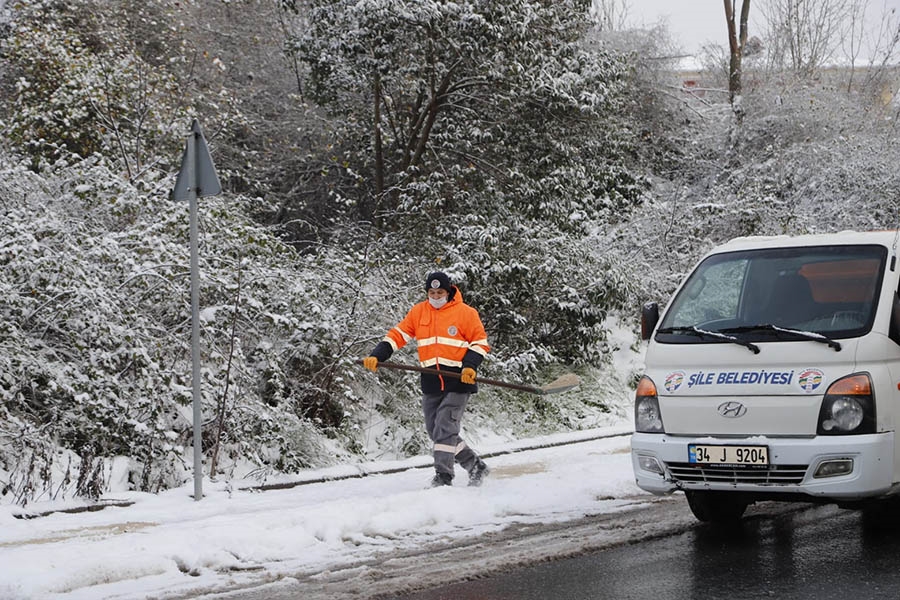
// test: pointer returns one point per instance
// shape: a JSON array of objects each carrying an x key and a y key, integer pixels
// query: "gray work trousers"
[{"x": 443, "y": 419}]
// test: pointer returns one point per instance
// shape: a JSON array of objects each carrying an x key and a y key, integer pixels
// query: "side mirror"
[{"x": 649, "y": 319}]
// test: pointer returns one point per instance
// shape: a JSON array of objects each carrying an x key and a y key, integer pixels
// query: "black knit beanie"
[{"x": 438, "y": 280}]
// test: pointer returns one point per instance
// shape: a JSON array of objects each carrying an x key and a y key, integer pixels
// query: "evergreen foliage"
[{"x": 485, "y": 137}]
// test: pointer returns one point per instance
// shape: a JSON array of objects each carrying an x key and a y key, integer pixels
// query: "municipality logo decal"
[
  {"x": 674, "y": 381},
  {"x": 810, "y": 379}
]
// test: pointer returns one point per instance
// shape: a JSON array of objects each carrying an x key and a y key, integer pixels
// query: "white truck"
[{"x": 774, "y": 374}]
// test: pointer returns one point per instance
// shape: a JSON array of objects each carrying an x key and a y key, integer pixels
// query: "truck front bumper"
[{"x": 840, "y": 467}]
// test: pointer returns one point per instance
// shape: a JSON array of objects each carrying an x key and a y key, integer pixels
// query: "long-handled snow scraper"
[{"x": 560, "y": 384}]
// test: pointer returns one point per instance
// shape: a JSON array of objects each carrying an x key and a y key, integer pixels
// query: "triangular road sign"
[{"x": 196, "y": 165}]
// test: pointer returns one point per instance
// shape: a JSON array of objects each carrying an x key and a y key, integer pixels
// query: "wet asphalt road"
[{"x": 815, "y": 552}]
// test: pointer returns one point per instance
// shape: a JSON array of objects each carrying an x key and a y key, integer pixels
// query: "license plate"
[{"x": 728, "y": 455}]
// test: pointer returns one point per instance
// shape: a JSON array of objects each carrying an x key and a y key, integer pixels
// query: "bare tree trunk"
[
  {"x": 852, "y": 35},
  {"x": 220, "y": 412},
  {"x": 379, "y": 151},
  {"x": 438, "y": 98},
  {"x": 737, "y": 40}
]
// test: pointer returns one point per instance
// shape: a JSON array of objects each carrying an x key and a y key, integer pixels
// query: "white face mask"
[{"x": 438, "y": 302}]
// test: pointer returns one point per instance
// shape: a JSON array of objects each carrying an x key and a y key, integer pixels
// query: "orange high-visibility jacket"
[{"x": 449, "y": 338}]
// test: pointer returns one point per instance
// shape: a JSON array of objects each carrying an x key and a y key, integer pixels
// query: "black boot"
[
  {"x": 442, "y": 479},
  {"x": 478, "y": 473}
]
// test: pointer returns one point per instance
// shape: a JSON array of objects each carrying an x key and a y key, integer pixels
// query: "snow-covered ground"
[{"x": 169, "y": 545}]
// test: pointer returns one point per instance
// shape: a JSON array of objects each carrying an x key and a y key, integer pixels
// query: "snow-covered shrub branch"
[{"x": 96, "y": 348}]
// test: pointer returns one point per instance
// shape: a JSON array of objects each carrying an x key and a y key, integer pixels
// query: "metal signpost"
[{"x": 196, "y": 179}]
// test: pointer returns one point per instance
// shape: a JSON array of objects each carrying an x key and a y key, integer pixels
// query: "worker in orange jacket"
[{"x": 450, "y": 338}]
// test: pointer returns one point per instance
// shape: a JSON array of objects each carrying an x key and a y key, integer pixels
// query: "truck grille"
[{"x": 772, "y": 475}]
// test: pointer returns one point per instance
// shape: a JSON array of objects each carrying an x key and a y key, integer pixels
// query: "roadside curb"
[
  {"x": 429, "y": 464},
  {"x": 100, "y": 505}
]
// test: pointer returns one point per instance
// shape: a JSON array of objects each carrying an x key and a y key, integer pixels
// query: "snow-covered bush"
[
  {"x": 89, "y": 76},
  {"x": 96, "y": 328}
]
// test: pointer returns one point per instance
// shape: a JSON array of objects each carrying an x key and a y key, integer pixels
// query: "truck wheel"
[{"x": 716, "y": 507}]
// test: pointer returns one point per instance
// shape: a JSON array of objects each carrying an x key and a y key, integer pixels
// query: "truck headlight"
[
  {"x": 647, "y": 417},
  {"x": 848, "y": 407}
]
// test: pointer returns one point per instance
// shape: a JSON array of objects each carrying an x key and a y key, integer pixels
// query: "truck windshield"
[{"x": 821, "y": 293}]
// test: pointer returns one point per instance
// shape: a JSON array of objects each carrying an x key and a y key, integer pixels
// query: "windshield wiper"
[
  {"x": 809, "y": 335},
  {"x": 713, "y": 334}
]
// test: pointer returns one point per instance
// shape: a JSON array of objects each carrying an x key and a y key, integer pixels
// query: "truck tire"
[{"x": 716, "y": 507}]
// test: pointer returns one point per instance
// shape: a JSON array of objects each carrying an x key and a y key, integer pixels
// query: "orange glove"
[
  {"x": 371, "y": 363},
  {"x": 467, "y": 375}
]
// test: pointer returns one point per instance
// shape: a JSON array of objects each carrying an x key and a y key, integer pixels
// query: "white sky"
[
  {"x": 693, "y": 23},
  {"x": 169, "y": 544}
]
